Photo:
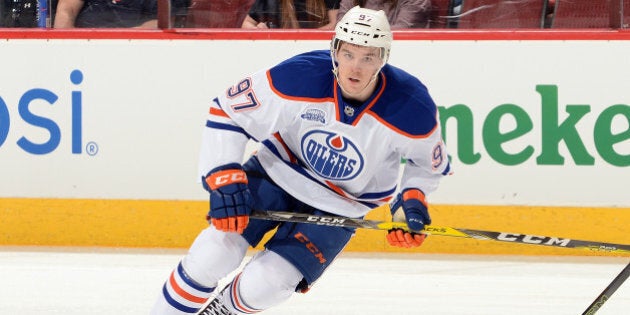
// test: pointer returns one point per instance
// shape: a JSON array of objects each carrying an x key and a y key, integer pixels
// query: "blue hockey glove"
[
  {"x": 230, "y": 198},
  {"x": 410, "y": 206}
]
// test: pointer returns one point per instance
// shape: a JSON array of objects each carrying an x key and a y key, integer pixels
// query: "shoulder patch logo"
[
  {"x": 331, "y": 156},
  {"x": 314, "y": 114}
]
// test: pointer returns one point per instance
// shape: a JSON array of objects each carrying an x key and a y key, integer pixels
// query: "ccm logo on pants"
[{"x": 310, "y": 246}]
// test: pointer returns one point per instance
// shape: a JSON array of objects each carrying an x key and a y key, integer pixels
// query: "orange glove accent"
[
  {"x": 231, "y": 224},
  {"x": 400, "y": 238},
  {"x": 414, "y": 194}
]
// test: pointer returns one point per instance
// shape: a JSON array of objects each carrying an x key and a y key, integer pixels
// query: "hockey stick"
[
  {"x": 442, "y": 231},
  {"x": 610, "y": 289}
]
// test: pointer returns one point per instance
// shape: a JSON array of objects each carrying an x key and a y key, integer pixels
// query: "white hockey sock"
[
  {"x": 267, "y": 280},
  {"x": 181, "y": 295},
  {"x": 212, "y": 256}
]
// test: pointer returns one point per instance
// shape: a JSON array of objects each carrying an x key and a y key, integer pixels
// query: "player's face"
[{"x": 357, "y": 66}]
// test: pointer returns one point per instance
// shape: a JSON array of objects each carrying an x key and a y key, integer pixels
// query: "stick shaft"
[
  {"x": 443, "y": 231},
  {"x": 610, "y": 289}
]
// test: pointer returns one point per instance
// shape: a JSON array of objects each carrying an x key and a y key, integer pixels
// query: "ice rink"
[{"x": 110, "y": 281}]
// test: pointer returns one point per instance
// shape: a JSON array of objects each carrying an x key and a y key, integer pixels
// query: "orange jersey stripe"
[
  {"x": 367, "y": 108},
  {"x": 386, "y": 199},
  {"x": 336, "y": 188},
  {"x": 218, "y": 112},
  {"x": 392, "y": 127},
  {"x": 292, "y": 157}
]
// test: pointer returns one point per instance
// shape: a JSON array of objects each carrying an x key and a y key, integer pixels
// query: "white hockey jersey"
[{"x": 338, "y": 157}]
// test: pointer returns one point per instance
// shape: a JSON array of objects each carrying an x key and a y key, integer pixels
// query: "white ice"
[{"x": 96, "y": 281}]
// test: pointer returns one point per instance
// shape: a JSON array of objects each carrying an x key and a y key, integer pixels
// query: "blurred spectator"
[
  {"x": 110, "y": 13},
  {"x": 321, "y": 14},
  {"x": 217, "y": 13},
  {"x": 549, "y": 11},
  {"x": 18, "y": 13},
  {"x": 106, "y": 13},
  {"x": 400, "y": 13}
]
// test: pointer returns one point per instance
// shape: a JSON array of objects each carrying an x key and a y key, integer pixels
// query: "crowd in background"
[{"x": 317, "y": 14}]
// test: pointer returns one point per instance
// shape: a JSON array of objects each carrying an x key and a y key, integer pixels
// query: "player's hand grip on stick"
[
  {"x": 230, "y": 198},
  {"x": 411, "y": 207}
]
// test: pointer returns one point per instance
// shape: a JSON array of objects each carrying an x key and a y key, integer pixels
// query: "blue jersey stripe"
[{"x": 222, "y": 126}]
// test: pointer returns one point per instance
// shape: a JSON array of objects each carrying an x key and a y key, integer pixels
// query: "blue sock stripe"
[
  {"x": 176, "y": 304},
  {"x": 192, "y": 283}
]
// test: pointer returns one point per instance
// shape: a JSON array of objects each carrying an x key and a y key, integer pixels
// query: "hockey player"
[{"x": 333, "y": 127}]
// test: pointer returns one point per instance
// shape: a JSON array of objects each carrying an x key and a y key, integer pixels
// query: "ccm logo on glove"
[{"x": 226, "y": 177}]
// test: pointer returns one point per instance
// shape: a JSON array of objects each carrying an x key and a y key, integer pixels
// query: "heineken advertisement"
[{"x": 558, "y": 126}]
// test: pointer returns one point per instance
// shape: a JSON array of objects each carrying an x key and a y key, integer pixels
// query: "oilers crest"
[{"x": 331, "y": 156}]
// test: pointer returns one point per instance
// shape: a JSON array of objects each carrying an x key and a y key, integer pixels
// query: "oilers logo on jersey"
[{"x": 331, "y": 156}]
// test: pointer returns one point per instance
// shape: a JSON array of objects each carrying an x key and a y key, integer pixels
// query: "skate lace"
[{"x": 215, "y": 308}]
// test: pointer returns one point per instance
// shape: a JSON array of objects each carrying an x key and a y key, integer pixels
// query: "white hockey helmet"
[{"x": 364, "y": 27}]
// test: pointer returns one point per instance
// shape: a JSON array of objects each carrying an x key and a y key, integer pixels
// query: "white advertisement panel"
[{"x": 526, "y": 122}]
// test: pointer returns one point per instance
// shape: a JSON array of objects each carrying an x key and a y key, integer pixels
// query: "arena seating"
[
  {"x": 217, "y": 13},
  {"x": 589, "y": 13},
  {"x": 441, "y": 12},
  {"x": 502, "y": 14}
]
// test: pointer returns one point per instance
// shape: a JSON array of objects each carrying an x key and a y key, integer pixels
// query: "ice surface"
[{"x": 122, "y": 281}]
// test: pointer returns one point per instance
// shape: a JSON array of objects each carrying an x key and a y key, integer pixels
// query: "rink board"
[
  {"x": 174, "y": 224},
  {"x": 98, "y": 150}
]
